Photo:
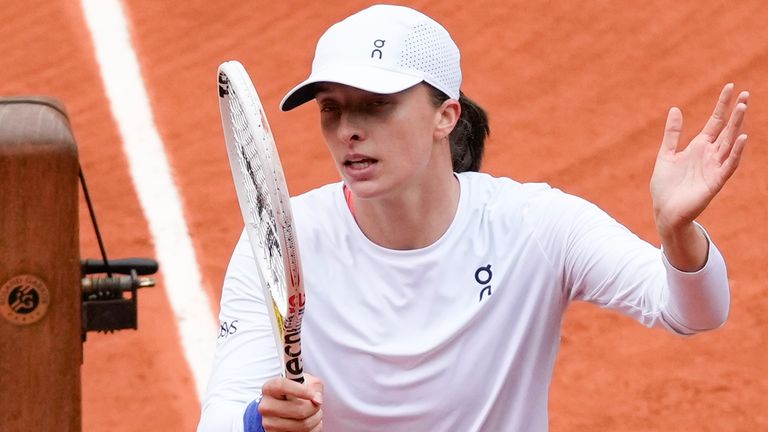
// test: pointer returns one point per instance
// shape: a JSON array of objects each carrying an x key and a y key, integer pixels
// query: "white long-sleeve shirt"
[{"x": 462, "y": 334}]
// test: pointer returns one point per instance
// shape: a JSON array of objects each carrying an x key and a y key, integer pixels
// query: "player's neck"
[{"x": 410, "y": 220}]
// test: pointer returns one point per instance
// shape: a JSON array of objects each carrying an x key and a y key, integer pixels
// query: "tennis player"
[{"x": 435, "y": 294}]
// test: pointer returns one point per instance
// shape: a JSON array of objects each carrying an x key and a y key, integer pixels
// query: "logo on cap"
[{"x": 378, "y": 43}]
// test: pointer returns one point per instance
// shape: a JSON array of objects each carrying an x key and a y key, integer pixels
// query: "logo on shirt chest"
[{"x": 483, "y": 276}]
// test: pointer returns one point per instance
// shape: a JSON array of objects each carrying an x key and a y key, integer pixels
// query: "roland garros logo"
[{"x": 24, "y": 299}]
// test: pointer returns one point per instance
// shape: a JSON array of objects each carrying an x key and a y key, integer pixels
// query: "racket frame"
[{"x": 286, "y": 315}]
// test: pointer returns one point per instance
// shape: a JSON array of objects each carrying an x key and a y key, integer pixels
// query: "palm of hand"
[{"x": 684, "y": 182}]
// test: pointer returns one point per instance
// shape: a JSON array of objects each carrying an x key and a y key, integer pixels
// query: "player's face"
[{"x": 382, "y": 144}]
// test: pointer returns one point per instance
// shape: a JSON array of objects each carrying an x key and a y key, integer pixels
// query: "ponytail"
[{"x": 468, "y": 136}]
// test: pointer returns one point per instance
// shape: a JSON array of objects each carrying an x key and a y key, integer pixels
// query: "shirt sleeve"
[
  {"x": 602, "y": 262},
  {"x": 698, "y": 300},
  {"x": 245, "y": 356}
]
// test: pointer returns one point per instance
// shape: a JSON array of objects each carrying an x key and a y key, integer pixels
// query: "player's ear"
[{"x": 447, "y": 116}]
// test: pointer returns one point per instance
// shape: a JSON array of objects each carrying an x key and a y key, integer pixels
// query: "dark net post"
[{"x": 40, "y": 324}]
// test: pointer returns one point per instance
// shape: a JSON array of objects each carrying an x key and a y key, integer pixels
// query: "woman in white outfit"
[{"x": 435, "y": 294}]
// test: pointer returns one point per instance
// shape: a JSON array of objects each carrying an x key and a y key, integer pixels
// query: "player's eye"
[
  {"x": 328, "y": 108},
  {"x": 379, "y": 102}
]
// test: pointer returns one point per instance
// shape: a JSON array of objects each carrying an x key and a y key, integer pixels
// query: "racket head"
[{"x": 265, "y": 206}]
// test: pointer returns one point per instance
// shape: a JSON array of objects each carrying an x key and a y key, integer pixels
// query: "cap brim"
[{"x": 366, "y": 78}]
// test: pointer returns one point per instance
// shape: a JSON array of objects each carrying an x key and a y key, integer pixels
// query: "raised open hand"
[{"x": 684, "y": 181}]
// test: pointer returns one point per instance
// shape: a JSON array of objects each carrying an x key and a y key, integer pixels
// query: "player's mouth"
[
  {"x": 359, "y": 162},
  {"x": 359, "y": 167}
]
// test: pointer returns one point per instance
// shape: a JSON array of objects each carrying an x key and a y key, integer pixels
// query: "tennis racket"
[{"x": 265, "y": 205}]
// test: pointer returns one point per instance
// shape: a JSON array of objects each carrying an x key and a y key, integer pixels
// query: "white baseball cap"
[{"x": 383, "y": 49}]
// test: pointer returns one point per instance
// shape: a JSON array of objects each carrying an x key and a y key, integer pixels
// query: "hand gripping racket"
[{"x": 265, "y": 204}]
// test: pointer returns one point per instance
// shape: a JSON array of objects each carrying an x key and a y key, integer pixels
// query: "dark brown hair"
[{"x": 468, "y": 137}]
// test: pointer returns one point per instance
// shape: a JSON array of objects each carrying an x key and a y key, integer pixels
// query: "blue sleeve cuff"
[{"x": 252, "y": 418}]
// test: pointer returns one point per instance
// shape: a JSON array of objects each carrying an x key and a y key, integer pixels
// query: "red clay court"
[{"x": 577, "y": 93}]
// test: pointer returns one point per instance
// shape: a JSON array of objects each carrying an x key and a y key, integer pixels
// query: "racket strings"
[{"x": 262, "y": 214}]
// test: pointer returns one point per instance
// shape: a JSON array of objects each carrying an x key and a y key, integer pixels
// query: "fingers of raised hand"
[
  {"x": 727, "y": 137},
  {"x": 731, "y": 161},
  {"x": 672, "y": 130},
  {"x": 718, "y": 118}
]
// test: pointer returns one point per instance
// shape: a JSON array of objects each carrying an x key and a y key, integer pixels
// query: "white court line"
[{"x": 154, "y": 184}]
